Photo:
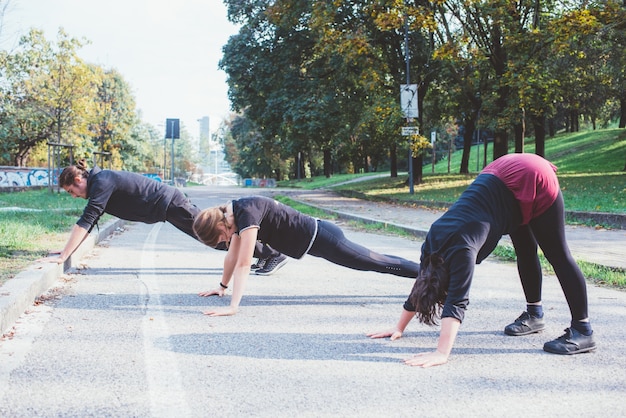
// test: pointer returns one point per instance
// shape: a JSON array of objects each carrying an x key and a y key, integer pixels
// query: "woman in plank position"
[{"x": 240, "y": 223}]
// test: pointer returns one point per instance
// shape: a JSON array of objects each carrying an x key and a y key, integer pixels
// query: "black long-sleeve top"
[
  {"x": 128, "y": 196},
  {"x": 467, "y": 233}
]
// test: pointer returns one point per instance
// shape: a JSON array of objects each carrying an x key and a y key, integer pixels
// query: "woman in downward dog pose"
[
  {"x": 240, "y": 223},
  {"x": 519, "y": 195}
]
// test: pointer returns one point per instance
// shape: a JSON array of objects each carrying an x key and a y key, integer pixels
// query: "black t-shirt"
[
  {"x": 467, "y": 233},
  {"x": 128, "y": 196},
  {"x": 282, "y": 227}
]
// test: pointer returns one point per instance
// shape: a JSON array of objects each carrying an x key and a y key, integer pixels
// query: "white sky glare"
[{"x": 167, "y": 51}]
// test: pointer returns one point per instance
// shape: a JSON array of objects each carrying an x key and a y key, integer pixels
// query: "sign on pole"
[
  {"x": 172, "y": 128},
  {"x": 410, "y": 130},
  {"x": 408, "y": 100}
]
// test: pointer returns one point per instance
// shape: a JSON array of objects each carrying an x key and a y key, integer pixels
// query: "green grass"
[
  {"x": 321, "y": 181},
  {"x": 589, "y": 164},
  {"x": 595, "y": 273},
  {"x": 28, "y": 235},
  {"x": 600, "y": 192}
]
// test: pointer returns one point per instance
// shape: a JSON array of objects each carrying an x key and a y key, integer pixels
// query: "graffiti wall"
[{"x": 23, "y": 176}]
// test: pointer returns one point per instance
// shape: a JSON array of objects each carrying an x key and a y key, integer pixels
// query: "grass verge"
[{"x": 32, "y": 223}]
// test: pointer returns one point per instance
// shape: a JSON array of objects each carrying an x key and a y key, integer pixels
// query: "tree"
[
  {"x": 48, "y": 95},
  {"x": 113, "y": 122}
]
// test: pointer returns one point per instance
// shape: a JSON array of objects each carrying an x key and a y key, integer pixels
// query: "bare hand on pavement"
[
  {"x": 393, "y": 333},
  {"x": 434, "y": 358},
  {"x": 221, "y": 312},
  {"x": 215, "y": 292}
]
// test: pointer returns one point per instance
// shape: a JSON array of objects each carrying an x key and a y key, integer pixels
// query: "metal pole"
[
  {"x": 50, "y": 175},
  {"x": 164, "y": 157},
  {"x": 408, "y": 81},
  {"x": 172, "y": 158}
]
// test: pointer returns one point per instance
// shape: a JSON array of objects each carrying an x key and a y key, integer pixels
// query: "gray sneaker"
[
  {"x": 272, "y": 265},
  {"x": 525, "y": 324},
  {"x": 572, "y": 342},
  {"x": 260, "y": 263}
]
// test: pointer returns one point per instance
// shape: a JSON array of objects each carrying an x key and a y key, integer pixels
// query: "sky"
[{"x": 167, "y": 50}]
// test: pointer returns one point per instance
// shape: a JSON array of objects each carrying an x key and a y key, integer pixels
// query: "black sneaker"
[
  {"x": 525, "y": 324},
  {"x": 572, "y": 342},
  {"x": 272, "y": 265},
  {"x": 260, "y": 263}
]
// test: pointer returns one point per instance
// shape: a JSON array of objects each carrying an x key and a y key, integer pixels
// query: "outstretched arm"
[
  {"x": 449, "y": 330},
  {"x": 77, "y": 236},
  {"x": 237, "y": 265}
]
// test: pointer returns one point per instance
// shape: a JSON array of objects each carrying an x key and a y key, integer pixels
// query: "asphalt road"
[{"x": 123, "y": 336}]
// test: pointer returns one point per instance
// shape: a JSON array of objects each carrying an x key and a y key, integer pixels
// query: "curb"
[
  {"x": 18, "y": 293},
  {"x": 614, "y": 220},
  {"x": 410, "y": 230},
  {"x": 418, "y": 233}
]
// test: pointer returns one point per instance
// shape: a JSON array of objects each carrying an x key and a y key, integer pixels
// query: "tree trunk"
[
  {"x": 418, "y": 169},
  {"x": 539, "y": 124},
  {"x": 519, "y": 137},
  {"x": 520, "y": 132},
  {"x": 468, "y": 135},
  {"x": 551, "y": 127},
  {"x": 500, "y": 143},
  {"x": 328, "y": 171},
  {"x": 622, "y": 114},
  {"x": 393, "y": 154},
  {"x": 574, "y": 121}
]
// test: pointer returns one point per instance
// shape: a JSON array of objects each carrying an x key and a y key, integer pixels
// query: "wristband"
[{"x": 223, "y": 285}]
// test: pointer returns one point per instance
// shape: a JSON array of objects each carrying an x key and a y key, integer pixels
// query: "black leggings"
[
  {"x": 548, "y": 231},
  {"x": 181, "y": 213},
  {"x": 332, "y": 245}
]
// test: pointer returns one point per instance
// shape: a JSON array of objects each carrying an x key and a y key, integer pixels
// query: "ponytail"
[{"x": 67, "y": 176}]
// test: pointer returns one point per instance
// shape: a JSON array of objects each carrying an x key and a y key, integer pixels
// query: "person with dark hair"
[
  {"x": 240, "y": 223},
  {"x": 519, "y": 195},
  {"x": 132, "y": 197}
]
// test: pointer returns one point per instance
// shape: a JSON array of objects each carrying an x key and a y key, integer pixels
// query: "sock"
[
  {"x": 583, "y": 327},
  {"x": 535, "y": 310}
]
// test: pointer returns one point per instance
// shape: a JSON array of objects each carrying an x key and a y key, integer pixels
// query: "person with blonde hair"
[
  {"x": 240, "y": 223},
  {"x": 519, "y": 195}
]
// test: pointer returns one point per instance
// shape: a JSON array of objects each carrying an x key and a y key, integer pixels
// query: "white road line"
[{"x": 167, "y": 397}]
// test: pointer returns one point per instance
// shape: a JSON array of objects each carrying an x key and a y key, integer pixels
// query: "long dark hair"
[{"x": 430, "y": 289}]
